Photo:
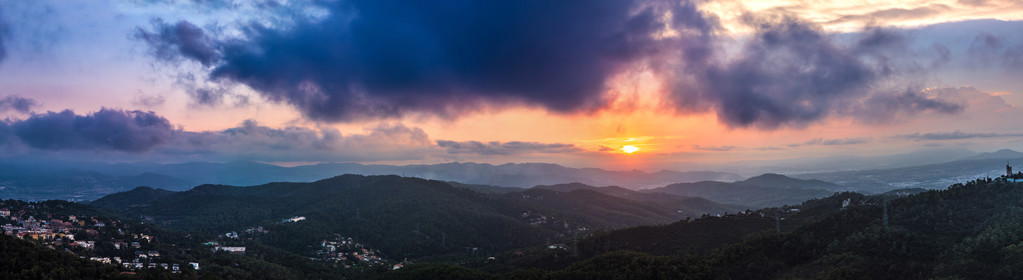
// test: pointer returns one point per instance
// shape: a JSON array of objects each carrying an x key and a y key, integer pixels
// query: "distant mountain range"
[
  {"x": 1000, "y": 154},
  {"x": 685, "y": 205},
  {"x": 930, "y": 176},
  {"x": 34, "y": 179},
  {"x": 24, "y": 178},
  {"x": 768, "y": 190}
]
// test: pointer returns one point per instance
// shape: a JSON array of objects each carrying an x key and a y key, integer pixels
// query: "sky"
[{"x": 686, "y": 85}]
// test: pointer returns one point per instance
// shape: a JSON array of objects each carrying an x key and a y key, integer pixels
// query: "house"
[
  {"x": 194, "y": 265},
  {"x": 85, "y": 244},
  {"x": 236, "y": 250},
  {"x": 5, "y": 213},
  {"x": 397, "y": 266}
]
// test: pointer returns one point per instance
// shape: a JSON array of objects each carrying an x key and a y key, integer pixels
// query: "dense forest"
[{"x": 968, "y": 231}]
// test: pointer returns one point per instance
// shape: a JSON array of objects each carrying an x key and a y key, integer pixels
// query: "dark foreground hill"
[
  {"x": 968, "y": 231},
  {"x": 25, "y": 260}
]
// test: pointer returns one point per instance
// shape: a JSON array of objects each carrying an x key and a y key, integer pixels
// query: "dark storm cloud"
[
  {"x": 107, "y": 129},
  {"x": 791, "y": 73},
  {"x": 17, "y": 103},
  {"x": 392, "y": 58},
  {"x": 505, "y": 148},
  {"x": 171, "y": 42},
  {"x": 378, "y": 59},
  {"x": 957, "y": 135}
]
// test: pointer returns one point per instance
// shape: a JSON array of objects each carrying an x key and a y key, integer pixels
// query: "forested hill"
[
  {"x": 25, "y": 260},
  {"x": 767, "y": 190},
  {"x": 403, "y": 217},
  {"x": 968, "y": 231},
  {"x": 688, "y": 206}
]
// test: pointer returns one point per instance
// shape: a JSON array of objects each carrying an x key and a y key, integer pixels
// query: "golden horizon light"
[{"x": 628, "y": 149}]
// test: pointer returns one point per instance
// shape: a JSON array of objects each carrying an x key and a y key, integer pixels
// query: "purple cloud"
[{"x": 107, "y": 129}]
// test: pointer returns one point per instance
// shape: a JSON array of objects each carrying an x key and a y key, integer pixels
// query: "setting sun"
[{"x": 628, "y": 149}]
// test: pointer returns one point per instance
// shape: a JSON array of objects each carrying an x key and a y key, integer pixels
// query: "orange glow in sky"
[{"x": 628, "y": 149}]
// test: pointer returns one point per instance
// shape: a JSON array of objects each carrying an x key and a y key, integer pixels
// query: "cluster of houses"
[
  {"x": 175, "y": 268},
  {"x": 25, "y": 226},
  {"x": 534, "y": 218},
  {"x": 345, "y": 251},
  {"x": 81, "y": 235}
]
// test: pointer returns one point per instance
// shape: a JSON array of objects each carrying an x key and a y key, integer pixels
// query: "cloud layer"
[
  {"x": 792, "y": 73},
  {"x": 370, "y": 60},
  {"x": 956, "y": 135},
  {"x": 505, "y": 148},
  {"x": 380, "y": 59},
  {"x": 107, "y": 129}
]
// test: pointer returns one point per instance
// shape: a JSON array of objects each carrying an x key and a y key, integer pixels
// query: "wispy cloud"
[
  {"x": 505, "y": 148},
  {"x": 832, "y": 142},
  {"x": 956, "y": 135},
  {"x": 714, "y": 148}
]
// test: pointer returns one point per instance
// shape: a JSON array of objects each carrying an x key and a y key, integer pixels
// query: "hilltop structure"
[{"x": 1009, "y": 176}]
